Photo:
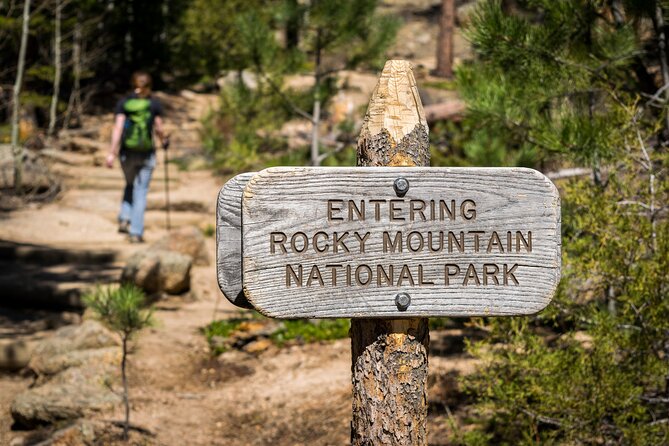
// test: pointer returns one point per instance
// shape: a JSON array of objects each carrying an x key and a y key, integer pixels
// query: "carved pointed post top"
[
  {"x": 389, "y": 356},
  {"x": 394, "y": 132}
]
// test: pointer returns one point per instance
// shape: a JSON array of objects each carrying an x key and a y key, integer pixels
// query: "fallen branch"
[
  {"x": 445, "y": 111},
  {"x": 569, "y": 173}
]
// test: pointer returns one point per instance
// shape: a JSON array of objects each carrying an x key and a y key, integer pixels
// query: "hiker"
[{"x": 137, "y": 117}]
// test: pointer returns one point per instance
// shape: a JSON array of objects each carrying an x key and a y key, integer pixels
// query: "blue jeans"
[{"x": 137, "y": 168}]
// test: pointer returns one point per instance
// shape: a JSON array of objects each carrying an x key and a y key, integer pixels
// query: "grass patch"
[
  {"x": 440, "y": 85},
  {"x": 209, "y": 230},
  {"x": 223, "y": 329},
  {"x": 288, "y": 331},
  {"x": 309, "y": 331}
]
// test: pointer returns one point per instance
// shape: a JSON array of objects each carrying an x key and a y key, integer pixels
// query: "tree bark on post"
[
  {"x": 389, "y": 356},
  {"x": 445, "y": 41}
]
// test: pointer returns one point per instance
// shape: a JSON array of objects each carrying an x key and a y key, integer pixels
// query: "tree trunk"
[
  {"x": 292, "y": 30},
  {"x": 124, "y": 379},
  {"x": 74, "y": 104},
  {"x": 58, "y": 69},
  {"x": 658, "y": 22},
  {"x": 316, "y": 115},
  {"x": 445, "y": 43},
  {"x": 17, "y": 149},
  {"x": 389, "y": 356}
]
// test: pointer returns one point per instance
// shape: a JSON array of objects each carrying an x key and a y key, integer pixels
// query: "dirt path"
[{"x": 291, "y": 396}]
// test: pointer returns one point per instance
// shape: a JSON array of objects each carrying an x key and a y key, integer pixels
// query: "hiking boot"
[
  {"x": 135, "y": 238},
  {"x": 123, "y": 226}
]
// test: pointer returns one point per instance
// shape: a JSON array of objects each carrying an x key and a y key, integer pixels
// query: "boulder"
[
  {"x": 82, "y": 144},
  {"x": 73, "y": 393},
  {"x": 14, "y": 355},
  {"x": 80, "y": 433},
  {"x": 188, "y": 241},
  {"x": 54, "y": 364},
  {"x": 156, "y": 270},
  {"x": 90, "y": 335}
]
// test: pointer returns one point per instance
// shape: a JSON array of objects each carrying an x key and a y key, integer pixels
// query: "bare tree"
[
  {"x": 17, "y": 149},
  {"x": 74, "y": 103},
  {"x": 58, "y": 69},
  {"x": 445, "y": 43}
]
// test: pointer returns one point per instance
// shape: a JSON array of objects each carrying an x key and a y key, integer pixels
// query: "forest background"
[{"x": 577, "y": 88}]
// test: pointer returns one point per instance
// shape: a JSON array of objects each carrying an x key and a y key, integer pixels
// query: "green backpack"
[{"x": 137, "y": 131}]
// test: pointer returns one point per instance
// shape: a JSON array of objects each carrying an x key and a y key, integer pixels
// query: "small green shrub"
[
  {"x": 221, "y": 329},
  {"x": 290, "y": 330},
  {"x": 121, "y": 309},
  {"x": 209, "y": 230},
  {"x": 308, "y": 331}
]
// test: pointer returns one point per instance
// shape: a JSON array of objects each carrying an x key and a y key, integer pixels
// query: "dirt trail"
[{"x": 291, "y": 396}]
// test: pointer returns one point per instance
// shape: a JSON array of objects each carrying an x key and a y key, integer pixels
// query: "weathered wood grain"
[
  {"x": 290, "y": 200},
  {"x": 229, "y": 239},
  {"x": 389, "y": 356}
]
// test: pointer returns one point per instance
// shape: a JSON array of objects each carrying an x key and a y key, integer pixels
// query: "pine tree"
[
  {"x": 572, "y": 83},
  {"x": 322, "y": 38}
]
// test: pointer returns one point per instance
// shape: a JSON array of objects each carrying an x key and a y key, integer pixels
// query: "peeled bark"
[{"x": 389, "y": 356}]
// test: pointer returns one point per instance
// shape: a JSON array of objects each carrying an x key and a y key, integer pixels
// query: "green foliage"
[
  {"x": 122, "y": 309},
  {"x": 222, "y": 328},
  {"x": 289, "y": 330},
  {"x": 562, "y": 84},
  {"x": 209, "y": 230},
  {"x": 240, "y": 135},
  {"x": 311, "y": 331},
  {"x": 320, "y": 39}
]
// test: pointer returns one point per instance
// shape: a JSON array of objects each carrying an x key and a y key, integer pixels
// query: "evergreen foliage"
[
  {"x": 567, "y": 84},
  {"x": 122, "y": 310},
  {"x": 319, "y": 39}
]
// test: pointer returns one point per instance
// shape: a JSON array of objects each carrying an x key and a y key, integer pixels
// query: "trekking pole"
[{"x": 166, "y": 144}]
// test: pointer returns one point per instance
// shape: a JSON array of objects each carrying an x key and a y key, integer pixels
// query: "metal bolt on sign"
[
  {"x": 401, "y": 186},
  {"x": 402, "y": 300}
]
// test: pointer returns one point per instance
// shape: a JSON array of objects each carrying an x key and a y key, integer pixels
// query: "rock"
[
  {"x": 258, "y": 346},
  {"x": 81, "y": 433},
  {"x": 248, "y": 78},
  {"x": 17, "y": 441},
  {"x": 159, "y": 270},
  {"x": 14, "y": 355},
  {"x": 82, "y": 144},
  {"x": 188, "y": 241},
  {"x": 55, "y": 364},
  {"x": 53, "y": 351},
  {"x": 73, "y": 393}
]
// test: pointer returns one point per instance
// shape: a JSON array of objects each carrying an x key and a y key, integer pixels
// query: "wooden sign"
[
  {"x": 400, "y": 242},
  {"x": 229, "y": 239}
]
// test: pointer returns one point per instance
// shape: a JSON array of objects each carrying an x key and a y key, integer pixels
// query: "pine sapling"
[{"x": 122, "y": 310}]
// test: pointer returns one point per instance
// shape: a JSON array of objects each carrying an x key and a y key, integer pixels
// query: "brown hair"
[{"x": 141, "y": 80}]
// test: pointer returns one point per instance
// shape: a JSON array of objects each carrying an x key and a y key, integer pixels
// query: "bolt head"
[
  {"x": 402, "y": 300},
  {"x": 401, "y": 186}
]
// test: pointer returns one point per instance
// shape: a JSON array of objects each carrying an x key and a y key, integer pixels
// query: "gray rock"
[
  {"x": 188, "y": 241},
  {"x": 81, "y": 433},
  {"x": 89, "y": 335},
  {"x": 159, "y": 270},
  {"x": 73, "y": 393},
  {"x": 54, "y": 364},
  {"x": 14, "y": 355}
]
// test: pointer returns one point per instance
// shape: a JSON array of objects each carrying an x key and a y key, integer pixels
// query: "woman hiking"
[{"x": 137, "y": 117}]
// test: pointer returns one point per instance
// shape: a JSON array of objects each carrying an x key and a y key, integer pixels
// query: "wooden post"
[{"x": 389, "y": 356}]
